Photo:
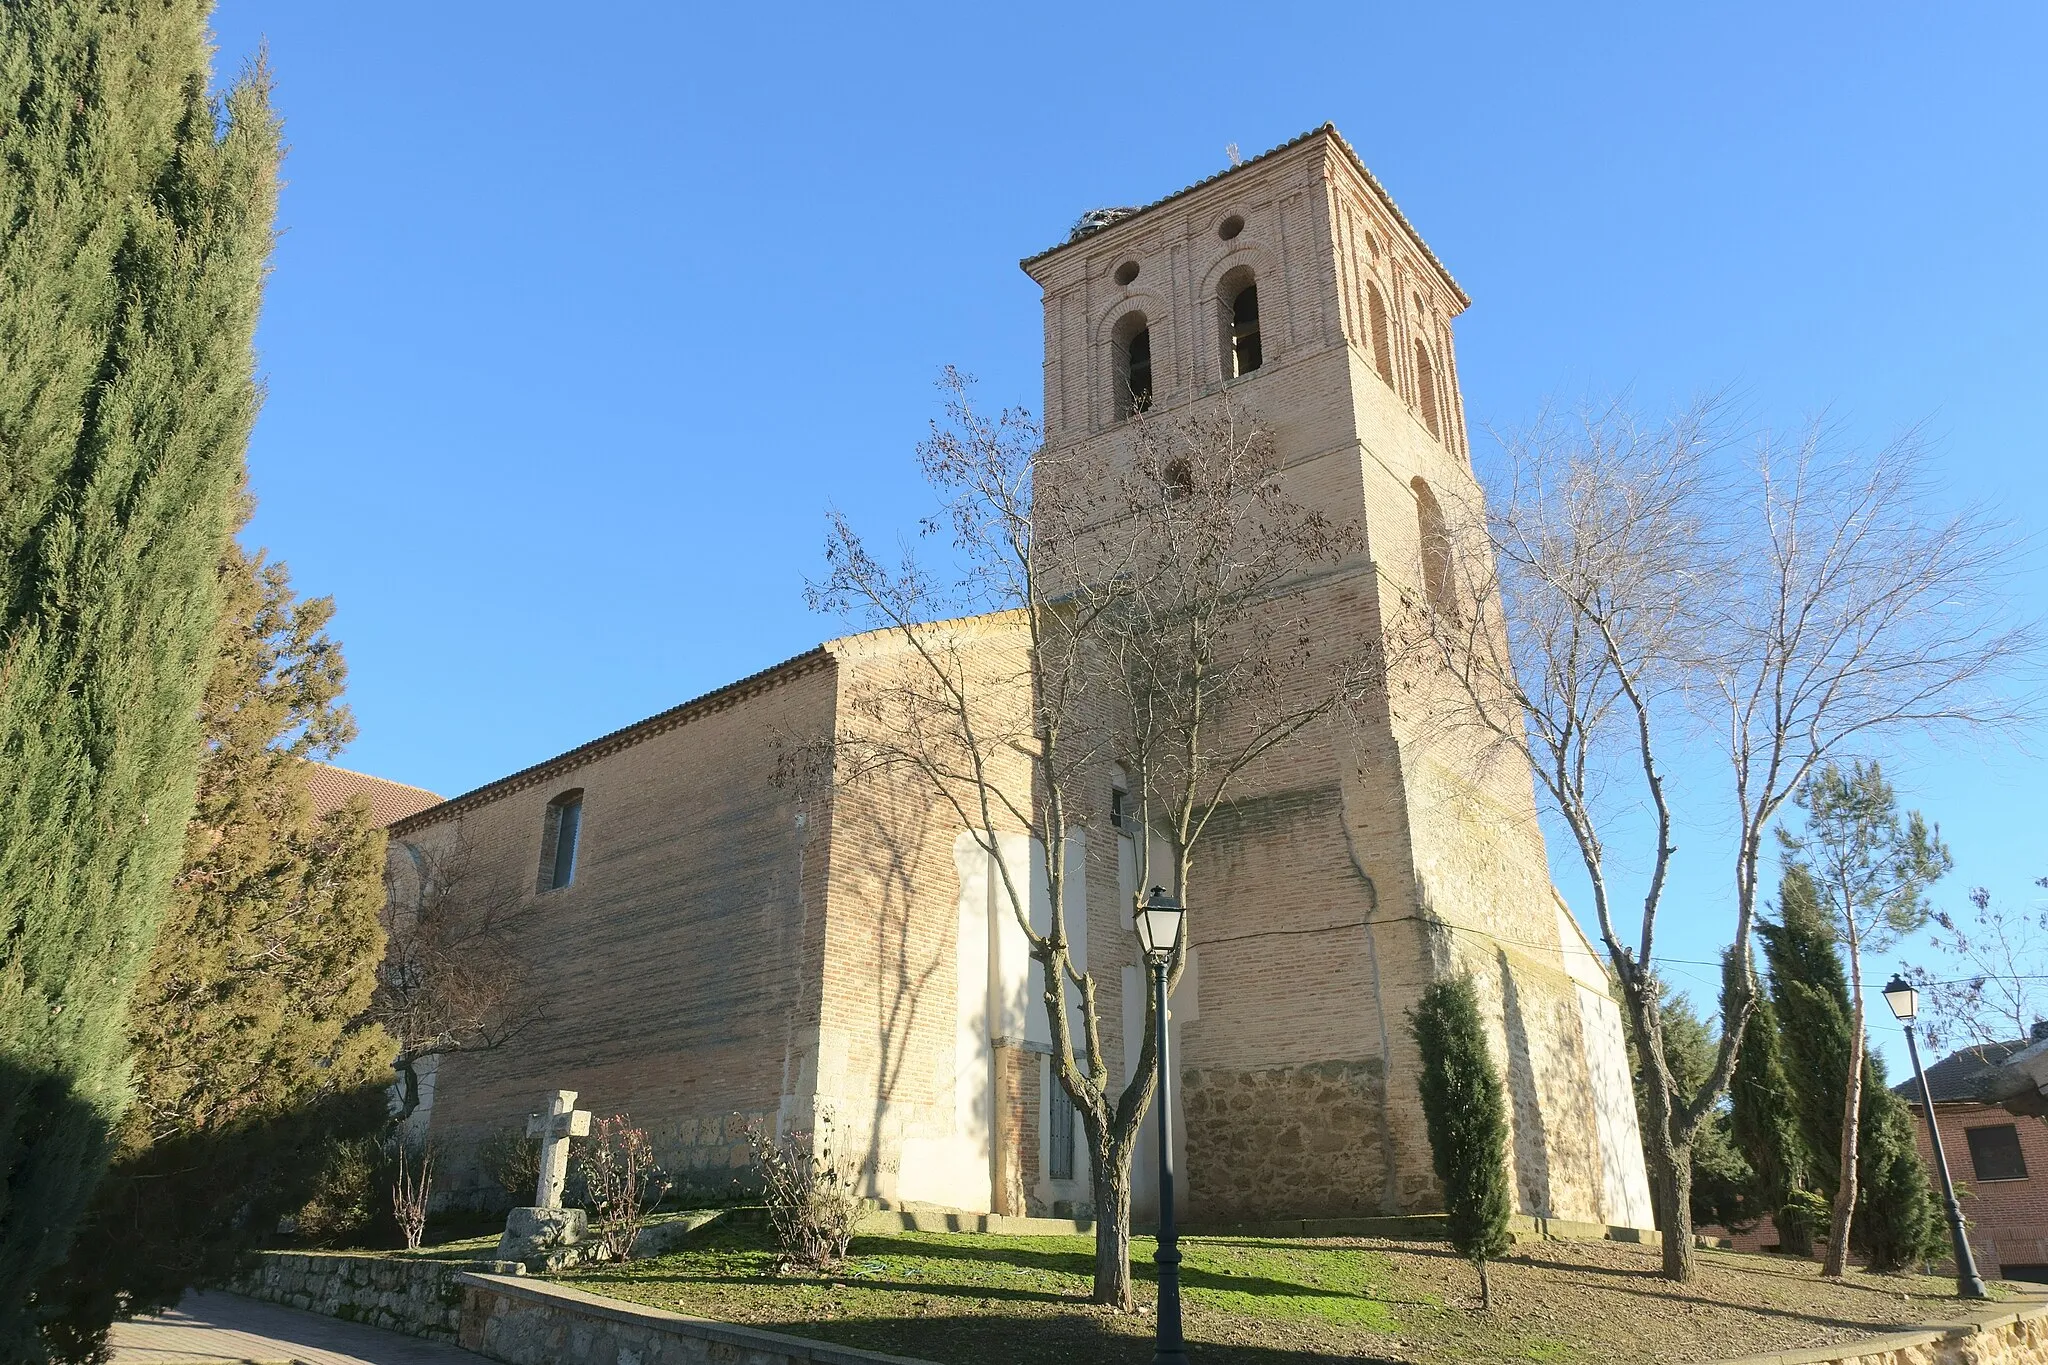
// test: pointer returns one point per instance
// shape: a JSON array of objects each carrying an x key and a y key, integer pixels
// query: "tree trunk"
[
  {"x": 1671, "y": 1169},
  {"x": 1113, "y": 1229},
  {"x": 1485, "y": 1292},
  {"x": 1852, "y": 1103}
]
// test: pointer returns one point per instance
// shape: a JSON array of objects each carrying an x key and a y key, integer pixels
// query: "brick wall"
[
  {"x": 679, "y": 971},
  {"x": 2007, "y": 1219},
  {"x": 1364, "y": 862},
  {"x": 715, "y": 959}
]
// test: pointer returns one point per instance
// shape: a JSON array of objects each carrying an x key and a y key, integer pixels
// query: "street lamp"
[
  {"x": 1159, "y": 924},
  {"x": 1905, "y": 1003}
]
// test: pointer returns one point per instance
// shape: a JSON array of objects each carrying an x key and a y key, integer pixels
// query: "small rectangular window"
[
  {"x": 1117, "y": 798},
  {"x": 1059, "y": 1135},
  {"x": 1995, "y": 1152}
]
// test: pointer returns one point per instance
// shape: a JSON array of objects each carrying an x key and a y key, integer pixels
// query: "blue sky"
[{"x": 582, "y": 316}]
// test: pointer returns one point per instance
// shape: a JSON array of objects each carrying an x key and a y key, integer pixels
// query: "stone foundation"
[
  {"x": 2006, "y": 1338},
  {"x": 1291, "y": 1141}
]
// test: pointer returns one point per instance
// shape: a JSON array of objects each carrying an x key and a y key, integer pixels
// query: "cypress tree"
[
  {"x": 250, "y": 1057},
  {"x": 135, "y": 219},
  {"x": 1762, "y": 1124},
  {"x": 1465, "y": 1108},
  {"x": 1897, "y": 1219}
]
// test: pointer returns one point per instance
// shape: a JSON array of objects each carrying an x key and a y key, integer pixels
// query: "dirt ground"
[{"x": 976, "y": 1300}]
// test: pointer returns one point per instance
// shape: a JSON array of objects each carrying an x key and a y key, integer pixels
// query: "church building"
[{"x": 721, "y": 942}]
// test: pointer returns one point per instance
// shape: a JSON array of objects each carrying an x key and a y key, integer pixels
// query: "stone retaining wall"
[
  {"x": 2003, "y": 1338},
  {"x": 418, "y": 1297},
  {"x": 524, "y": 1322}
]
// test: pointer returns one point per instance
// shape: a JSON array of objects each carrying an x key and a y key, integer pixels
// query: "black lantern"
[
  {"x": 1903, "y": 998},
  {"x": 1158, "y": 924}
]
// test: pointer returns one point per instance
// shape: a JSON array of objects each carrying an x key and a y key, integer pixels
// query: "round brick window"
[
  {"x": 1230, "y": 227},
  {"x": 1127, "y": 272}
]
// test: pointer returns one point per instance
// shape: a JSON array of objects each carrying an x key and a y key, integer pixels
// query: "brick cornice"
[
  {"x": 1328, "y": 130},
  {"x": 732, "y": 694}
]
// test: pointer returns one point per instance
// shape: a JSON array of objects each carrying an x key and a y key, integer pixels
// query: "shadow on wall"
[
  {"x": 1531, "y": 1141},
  {"x": 894, "y": 843}
]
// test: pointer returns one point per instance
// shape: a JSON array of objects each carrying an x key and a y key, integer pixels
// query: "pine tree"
[
  {"x": 1762, "y": 1124},
  {"x": 1896, "y": 1220},
  {"x": 135, "y": 218},
  {"x": 1466, "y": 1111},
  {"x": 251, "y": 1056}
]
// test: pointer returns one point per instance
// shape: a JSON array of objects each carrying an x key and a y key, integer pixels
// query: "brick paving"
[{"x": 215, "y": 1329}]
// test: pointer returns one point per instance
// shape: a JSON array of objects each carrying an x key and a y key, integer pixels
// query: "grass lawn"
[{"x": 981, "y": 1300}]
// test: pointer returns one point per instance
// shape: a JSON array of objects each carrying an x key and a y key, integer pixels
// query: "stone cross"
[{"x": 554, "y": 1129}]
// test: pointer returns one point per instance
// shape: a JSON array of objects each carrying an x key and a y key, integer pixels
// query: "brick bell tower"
[{"x": 1359, "y": 866}]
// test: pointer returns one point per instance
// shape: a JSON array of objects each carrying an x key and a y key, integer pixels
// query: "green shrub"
[{"x": 350, "y": 1204}]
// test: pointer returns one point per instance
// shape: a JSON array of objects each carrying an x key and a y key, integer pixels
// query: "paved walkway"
[{"x": 213, "y": 1329}]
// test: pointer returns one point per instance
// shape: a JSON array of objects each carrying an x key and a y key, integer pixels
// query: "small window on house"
[
  {"x": 559, "y": 837},
  {"x": 1382, "y": 350},
  {"x": 1230, "y": 227},
  {"x": 1059, "y": 1134},
  {"x": 1119, "y": 806},
  {"x": 1132, "y": 356},
  {"x": 1439, "y": 580},
  {"x": 1425, "y": 391},
  {"x": 1127, "y": 272},
  {"x": 1995, "y": 1152}
]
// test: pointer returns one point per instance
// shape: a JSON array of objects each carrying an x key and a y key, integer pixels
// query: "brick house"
[
  {"x": 718, "y": 944},
  {"x": 1999, "y": 1160}
]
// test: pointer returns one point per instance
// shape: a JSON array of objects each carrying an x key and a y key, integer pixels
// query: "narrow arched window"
[
  {"x": 1439, "y": 578},
  {"x": 1131, "y": 358},
  {"x": 1425, "y": 391},
  {"x": 1382, "y": 349},
  {"x": 1237, "y": 297},
  {"x": 1245, "y": 351},
  {"x": 560, "y": 833}
]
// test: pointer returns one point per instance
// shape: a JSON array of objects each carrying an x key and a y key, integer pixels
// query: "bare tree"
[
  {"x": 1987, "y": 986},
  {"x": 452, "y": 979},
  {"x": 412, "y": 1184},
  {"x": 1084, "y": 618},
  {"x": 1210, "y": 662},
  {"x": 1635, "y": 593}
]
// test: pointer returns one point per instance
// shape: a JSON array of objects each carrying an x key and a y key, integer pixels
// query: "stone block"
[{"x": 544, "y": 1238}]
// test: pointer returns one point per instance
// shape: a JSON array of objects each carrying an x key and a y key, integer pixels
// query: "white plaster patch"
[{"x": 954, "y": 1170}]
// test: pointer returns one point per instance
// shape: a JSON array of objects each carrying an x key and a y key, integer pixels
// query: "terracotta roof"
[
  {"x": 1328, "y": 130},
  {"x": 389, "y": 801},
  {"x": 661, "y": 723}
]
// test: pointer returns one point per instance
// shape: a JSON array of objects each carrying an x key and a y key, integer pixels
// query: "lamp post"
[
  {"x": 1905, "y": 1003},
  {"x": 1159, "y": 925}
]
